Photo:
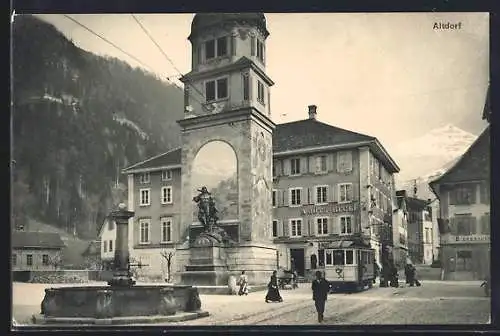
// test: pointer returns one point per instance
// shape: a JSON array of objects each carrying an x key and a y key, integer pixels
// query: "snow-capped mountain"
[{"x": 427, "y": 157}]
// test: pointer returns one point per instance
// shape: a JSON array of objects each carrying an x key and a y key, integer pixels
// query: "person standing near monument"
[
  {"x": 320, "y": 288},
  {"x": 243, "y": 283},
  {"x": 273, "y": 293}
]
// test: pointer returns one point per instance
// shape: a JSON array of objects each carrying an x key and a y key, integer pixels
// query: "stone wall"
[{"x": 60, "y": 276}]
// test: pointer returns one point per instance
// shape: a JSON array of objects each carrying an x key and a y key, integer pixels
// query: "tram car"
[{"x": 349, "y": 269}]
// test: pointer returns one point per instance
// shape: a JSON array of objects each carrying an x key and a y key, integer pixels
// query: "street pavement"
[{"x": 436, "y": 302}]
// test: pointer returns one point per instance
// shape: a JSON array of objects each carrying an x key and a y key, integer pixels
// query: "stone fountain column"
[{"x": 121, "y": 274}]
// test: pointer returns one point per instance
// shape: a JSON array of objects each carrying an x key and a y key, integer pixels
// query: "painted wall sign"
[
  {"x": 329, "y": 208},
  {"x": 469, "y": 239}
]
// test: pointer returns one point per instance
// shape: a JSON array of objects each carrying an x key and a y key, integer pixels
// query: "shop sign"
[
  {"x": 329, "y": 208},
  {"x": 470, "y": 239}
]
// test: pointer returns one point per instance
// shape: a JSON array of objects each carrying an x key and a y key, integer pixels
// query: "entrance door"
[{"x": 298, "y": 260}]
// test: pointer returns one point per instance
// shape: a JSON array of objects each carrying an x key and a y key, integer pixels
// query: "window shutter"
[
  {"x": 252, "y": 46},
  {"x": 473, "y": 225},
  {"x": 279, "y": 168},
  {"x": 335, "y": 225},
  {"x": 286, "y": 228},
  {"x": 285, "y": 197},
  {"x": 303, "y": 165},
  {"x": 333, "y": 193},
  {"x": 473, "y": 194},
  {"x": 348, "y": 160},
  {"x": 339, "y": 159},
  {"x": 286, "y": 167},
  {"x": 201, "y": 51},
  {"x": 311, "y": 164}
]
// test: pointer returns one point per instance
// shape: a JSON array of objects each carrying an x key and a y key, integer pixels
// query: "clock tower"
[{"x": 227, "y": 99}]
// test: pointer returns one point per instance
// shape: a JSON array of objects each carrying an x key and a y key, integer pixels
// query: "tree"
[
  {"x": 56, "y": 260},
  {"x": 168, "y": 255}
]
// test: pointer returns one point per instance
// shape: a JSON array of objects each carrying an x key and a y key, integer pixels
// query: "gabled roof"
[
  {"x": 474, "y": 164},
  {"x": 94, "y": 247},
  {"x": 27, "y": 239},
  {"x": 416, "y": 203},
  {"x": 312, "y": 133},
  {"x": 170, "y": 159}
]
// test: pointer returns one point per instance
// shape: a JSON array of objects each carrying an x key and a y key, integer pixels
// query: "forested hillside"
[{"x": 78, "y": 119}]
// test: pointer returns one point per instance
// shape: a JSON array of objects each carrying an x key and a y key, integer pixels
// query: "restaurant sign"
[
  {"x": 469, "y": 239},
  {"x": 329, "y": 208}
]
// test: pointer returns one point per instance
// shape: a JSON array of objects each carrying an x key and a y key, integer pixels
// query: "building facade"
[
  {"x": 36, "y": 251},
  {"x": 420, "y": 230},
  {"x": 464, "y": 218},
  {"x": 107, "y": 238},
  {"x": 400, "y": 227},
  {"x": 300, "y": 185}
]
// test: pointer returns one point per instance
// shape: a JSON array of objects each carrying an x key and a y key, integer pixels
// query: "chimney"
[{"x": 312, "y": 111}]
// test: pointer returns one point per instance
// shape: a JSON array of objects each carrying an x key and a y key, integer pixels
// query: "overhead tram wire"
[
  {"x": 108, "y": 41},
  {"x": 124, "y": 51},
  {"x": 164, "y": 53},
  {"x": 144, "y": 64},
  {"x": 246, "y": 134}
]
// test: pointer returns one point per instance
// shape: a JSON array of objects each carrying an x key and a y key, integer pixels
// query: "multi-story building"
[
  {"x": 329, "y": 184},
  {"x": 36, "y": 251},
  {"x": 464, "y": 212},
  {"x": 327, "y": 188},
  {"x": 154, "y": 193},
  {"x": 400, "y": 228},
  {"x": 464, "y": 195},
  {"x": 107, "y": 238},
  {"x": 420, "y": 230}
]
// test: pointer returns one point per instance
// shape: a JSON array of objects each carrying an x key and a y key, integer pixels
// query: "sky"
[{"x": 388, "y": 75}]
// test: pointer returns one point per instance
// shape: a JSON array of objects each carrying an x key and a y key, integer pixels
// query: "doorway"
[{"x": 297, "y": 260}]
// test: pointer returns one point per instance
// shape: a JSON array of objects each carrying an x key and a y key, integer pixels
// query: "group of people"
[{"x": 320, "y": 289}]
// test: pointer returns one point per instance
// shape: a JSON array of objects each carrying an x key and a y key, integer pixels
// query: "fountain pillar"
[{"x": 121, "y": 274}]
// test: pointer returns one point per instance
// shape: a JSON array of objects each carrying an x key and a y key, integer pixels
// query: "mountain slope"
[
  {"x": 78, "y": 119},
  {"x": 431, "y": 152}
]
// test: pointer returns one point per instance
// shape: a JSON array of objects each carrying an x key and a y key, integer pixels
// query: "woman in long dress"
[
  {"x": 243, "y": 282},
  {"x": 273, "y": 293}
]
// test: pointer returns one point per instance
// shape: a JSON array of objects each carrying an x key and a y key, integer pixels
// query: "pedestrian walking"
[
  {"x": 273, "y": 293},
  {"x": 243, "y": 283},
  {"x": 320, "y": 288}
]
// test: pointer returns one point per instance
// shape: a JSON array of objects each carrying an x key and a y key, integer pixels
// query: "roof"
[
  {"x": 94, "y": 247},
  {"x": 312, "y": 133},
  {"x": 416, "y": 203},
  {"x": 25, "y": 239},
  {"x": 473, "y": 165},
  {"x": 292, "y": 136},
  {"x": 172, "y": 158},
  {"x": 202, "y": 21}
]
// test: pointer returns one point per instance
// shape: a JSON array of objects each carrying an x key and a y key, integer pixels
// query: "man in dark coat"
[{"x": 320, "y": 289}]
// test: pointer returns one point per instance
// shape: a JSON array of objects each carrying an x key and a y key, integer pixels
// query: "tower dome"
[{"x": 202, "y": 21}]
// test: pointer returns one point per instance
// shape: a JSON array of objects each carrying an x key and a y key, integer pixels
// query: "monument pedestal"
[{"x": 209, "y": 264}]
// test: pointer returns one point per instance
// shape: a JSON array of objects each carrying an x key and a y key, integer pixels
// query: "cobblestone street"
[{"x": 434, "y": 303}]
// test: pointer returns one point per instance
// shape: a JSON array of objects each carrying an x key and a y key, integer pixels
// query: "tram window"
[
  {"x": 328, "y": 258},
  {"x": 349, "y": 257},
  {"x": 338, "y": 257}
]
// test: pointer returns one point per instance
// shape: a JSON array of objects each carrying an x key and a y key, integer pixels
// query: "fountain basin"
[{"x": 134, "y": 304}]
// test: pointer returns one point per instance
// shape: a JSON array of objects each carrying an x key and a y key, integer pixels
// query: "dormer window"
[
  {"x": 216, "y": 89},
  {"x": 216, "y": 48}
]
